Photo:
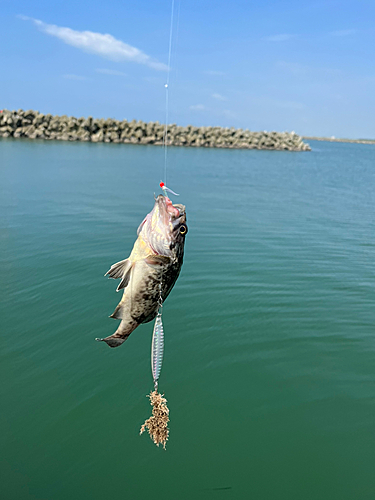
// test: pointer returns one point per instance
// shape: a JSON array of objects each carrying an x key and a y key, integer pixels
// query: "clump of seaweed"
[{"x": 157, "y": 424}]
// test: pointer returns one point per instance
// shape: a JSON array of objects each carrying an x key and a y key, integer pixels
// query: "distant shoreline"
[
  {"x": 34, "y": 125},
  {"x": 334, "y": 139}
]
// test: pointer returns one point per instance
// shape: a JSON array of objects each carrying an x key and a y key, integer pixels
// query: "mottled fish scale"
[{"x": 156, "y": 259}]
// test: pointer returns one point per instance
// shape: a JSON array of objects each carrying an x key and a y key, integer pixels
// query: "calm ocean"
[{"x": 269, "y": 366}]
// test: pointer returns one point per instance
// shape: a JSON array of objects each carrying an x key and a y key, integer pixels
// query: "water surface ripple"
[{"x": 269, "y": 359}]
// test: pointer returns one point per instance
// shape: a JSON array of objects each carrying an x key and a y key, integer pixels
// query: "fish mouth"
[
  {"x": 160, "y": 225},
  {"x": 167, "y": 207}
]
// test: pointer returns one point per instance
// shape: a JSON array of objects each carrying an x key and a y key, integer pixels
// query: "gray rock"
[
  {"x": 36, "y": 125},
  {"x": 98, "y": 137},
  {"x": 6, "y": 131}
]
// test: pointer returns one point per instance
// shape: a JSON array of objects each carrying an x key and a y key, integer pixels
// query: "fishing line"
[
  {"x": 157, "y": 424},
  {"x": 165, "y": 138},
  {"x": 176, "y": 42}
]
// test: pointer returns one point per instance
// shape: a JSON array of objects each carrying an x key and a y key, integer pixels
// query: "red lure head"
[{"x": 165, "y": 189}]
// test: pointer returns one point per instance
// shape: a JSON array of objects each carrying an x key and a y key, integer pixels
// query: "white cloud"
[
  {"x": 154, "y": 80},
  {"x": 290, "y": 105},
  {"x": 214, "y": 73},
  {"x": 279, "y": 38},
  {"x": 294, "y": 68},
  {"x": 229, "y": 114},
  {"x": 303, "y": 70},
  {"x": 110, "y": 72},
  {"x": 197, "y": 107},
  {"x": 219, "y": 97},
  {"x": 74, "y": 77},
  {"x": 343, "y": 32},
  {"x": 103, "y": 45}
]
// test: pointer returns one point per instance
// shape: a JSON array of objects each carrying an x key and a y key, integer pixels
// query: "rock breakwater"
[
  {"x": 337, "y": 139},
  {"x": 34, "y": 125}
]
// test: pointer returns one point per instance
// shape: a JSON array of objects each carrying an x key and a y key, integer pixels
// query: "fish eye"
[{"x": 183, "y": 229}]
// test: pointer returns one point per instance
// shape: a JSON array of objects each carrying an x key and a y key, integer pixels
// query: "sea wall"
[
  {"x": 34, "y": 125},
  {"x": 335, "y": 139}
]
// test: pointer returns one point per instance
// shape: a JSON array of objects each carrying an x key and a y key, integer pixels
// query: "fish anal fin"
[{"x": 119, "y": 269}]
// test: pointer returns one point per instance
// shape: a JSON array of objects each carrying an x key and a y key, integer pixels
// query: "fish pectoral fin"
[
  {"x": 157, "y": 260},
  {"x": 125, "y": 279},
  {"x": 119, "y": 269}
]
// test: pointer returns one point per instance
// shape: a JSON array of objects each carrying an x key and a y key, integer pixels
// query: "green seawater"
[{"x": 269, "y": 366}]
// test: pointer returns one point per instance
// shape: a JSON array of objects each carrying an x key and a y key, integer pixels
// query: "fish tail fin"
[{"x": 121, "y": 334}]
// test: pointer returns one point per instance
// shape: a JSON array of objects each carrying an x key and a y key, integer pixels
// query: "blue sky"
[{"x": 270, "y": 65}]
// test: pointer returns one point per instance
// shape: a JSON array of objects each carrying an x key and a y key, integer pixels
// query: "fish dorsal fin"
[
  {"x": 120, "y": 270},
  {"x": 157, "y": 260},
  {"x": 118, "y": 312}
]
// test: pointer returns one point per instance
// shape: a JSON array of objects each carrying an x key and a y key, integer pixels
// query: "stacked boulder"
[{"x": 34, "y": 125}]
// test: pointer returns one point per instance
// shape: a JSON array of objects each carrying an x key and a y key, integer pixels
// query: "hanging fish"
[{"x": 152, "y": 268}]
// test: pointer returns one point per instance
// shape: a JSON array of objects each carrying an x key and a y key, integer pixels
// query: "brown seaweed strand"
[{"x": 157, "y": 424}]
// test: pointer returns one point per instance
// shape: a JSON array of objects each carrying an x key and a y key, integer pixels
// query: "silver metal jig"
[{"x": 157, "y": 346}]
